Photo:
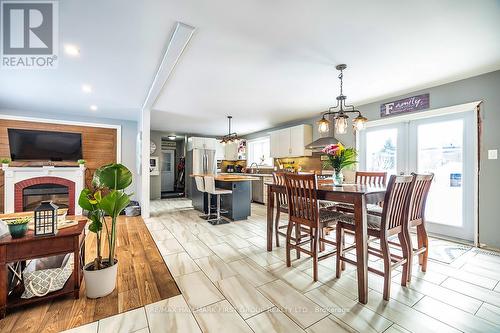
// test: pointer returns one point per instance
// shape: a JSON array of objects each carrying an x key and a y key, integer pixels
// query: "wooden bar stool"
[
  {"x": 304, "y": 213},
  {"x": 392, "y": 222},
  {"x": 416, "y": 218},
  {"x": 282, "y": 207}
]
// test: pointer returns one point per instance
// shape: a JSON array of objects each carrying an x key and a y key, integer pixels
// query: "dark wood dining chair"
[
  {"x": 374, "y": 178},
  {"x": 371, "y": 178},
  {"x": 282, "y": 207},
  {"x": 416, "y": 219},
  {"x": 392, "y": 222},
  {"x": 304, "y": 212}
]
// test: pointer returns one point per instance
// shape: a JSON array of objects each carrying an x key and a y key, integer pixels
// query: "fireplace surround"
[{"x": 24, "y": 186}]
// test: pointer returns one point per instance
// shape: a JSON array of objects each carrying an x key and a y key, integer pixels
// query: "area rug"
[{"x": 446, "y": 252}]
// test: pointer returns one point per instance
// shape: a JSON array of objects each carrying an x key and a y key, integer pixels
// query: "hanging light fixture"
[
  {"x": 230, "y": 136},
  {"x": 340, "y": 112}
]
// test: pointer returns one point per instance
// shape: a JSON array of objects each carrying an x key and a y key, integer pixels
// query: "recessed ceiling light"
[
  {"x": 86, "y": 88},
  {"x": 93, "y": 107},
  {"x": 171, "y": 137},
  {"x": 71, "y": 50}
]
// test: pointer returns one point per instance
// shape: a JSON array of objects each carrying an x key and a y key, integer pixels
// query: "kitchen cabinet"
[
  {"x": 235, "y": 151},
  {"x": 220, "y": 151},
  {"x": 291, "y": 142},
  {"x": 201, "y": 143}
]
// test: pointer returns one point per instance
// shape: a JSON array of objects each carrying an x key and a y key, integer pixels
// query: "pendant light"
[
  {"x": 340, "y": 112},
  {"x": 229, "y": 137}
]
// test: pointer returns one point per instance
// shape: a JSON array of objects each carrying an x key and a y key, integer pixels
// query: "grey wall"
[
  {"x": 129, "y": 135},
  {"x": 484, "y": 87}
]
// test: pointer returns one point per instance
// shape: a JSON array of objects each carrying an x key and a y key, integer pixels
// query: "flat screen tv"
[{"x": 29, "y": 145}]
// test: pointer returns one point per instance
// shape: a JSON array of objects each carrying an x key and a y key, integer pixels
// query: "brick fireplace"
[
  {"x": 26, "y": 186},
  {"x": 57, "y": 189}
]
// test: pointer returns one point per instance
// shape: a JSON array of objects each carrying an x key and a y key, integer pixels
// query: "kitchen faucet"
[{"x": 256, "y": 166}]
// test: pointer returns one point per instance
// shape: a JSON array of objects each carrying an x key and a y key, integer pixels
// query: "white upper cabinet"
[
  {"x": 202, "y": 143},
  {"x": 290, "y": 142},
  {"x": 235, "y": 151},
  {"x": 220, "y": 151},
  {"x": 231, "y": 151}
]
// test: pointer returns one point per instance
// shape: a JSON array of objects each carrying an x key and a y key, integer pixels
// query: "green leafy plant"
[
  {"x": 5, "y": 160},
  {"x": 18, "y": 221},
  {"x": 106, "y": 198},
  {"x": 81, "y": 161}
]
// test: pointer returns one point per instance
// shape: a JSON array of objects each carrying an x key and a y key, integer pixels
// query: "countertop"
[
  {"x": 224, "y": 177},
  {"x": 246, "y": 174}
]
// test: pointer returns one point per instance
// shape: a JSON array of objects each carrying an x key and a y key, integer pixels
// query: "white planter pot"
[
  {"x": 5, "y": 166},
  {"x": 100, "y": 283},
  {"x": 82, "y": 166}
]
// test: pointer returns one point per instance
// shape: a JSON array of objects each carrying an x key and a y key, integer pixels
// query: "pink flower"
[{"x": 333, "y": 149}]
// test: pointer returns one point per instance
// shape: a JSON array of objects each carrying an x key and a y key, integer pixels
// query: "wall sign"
[{"x": 410, "y": 104}]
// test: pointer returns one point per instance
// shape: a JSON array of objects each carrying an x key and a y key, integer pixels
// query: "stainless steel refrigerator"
[{"x": 199, "y": 161}]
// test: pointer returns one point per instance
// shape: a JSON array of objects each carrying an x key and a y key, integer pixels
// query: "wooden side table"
[{"x": 67, "y": 240}]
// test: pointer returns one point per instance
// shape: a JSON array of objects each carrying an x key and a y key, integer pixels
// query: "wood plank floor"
[{"x": 143, "y": 278}]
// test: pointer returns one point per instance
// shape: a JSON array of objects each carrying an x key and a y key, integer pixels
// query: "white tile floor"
[{"x": 230, "y": 283}]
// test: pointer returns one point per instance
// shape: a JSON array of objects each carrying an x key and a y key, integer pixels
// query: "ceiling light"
[
  {"x": 71, "y": 50},
  {"x": 323, "y": 125},
  {"x": 86, "y": 88},
  {"x": 230, "y": 136},
  {"x": 359, "y": 122},
  {"x": 340, "y": 115},
  {"x": 93, "y": 107},
  {"x": 341, "y": 123},
  {"x": 171, "y": 137}
]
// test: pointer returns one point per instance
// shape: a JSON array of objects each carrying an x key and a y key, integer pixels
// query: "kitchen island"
[{"x": 237, "y": 204}]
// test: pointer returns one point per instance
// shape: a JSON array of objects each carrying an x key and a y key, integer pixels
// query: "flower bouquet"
[{"x": 339, "y": 157}]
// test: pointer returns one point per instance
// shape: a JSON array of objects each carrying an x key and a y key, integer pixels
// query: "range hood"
[{"x": 327, "y": 139}]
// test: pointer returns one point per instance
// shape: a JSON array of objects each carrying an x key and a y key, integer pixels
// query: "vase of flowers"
[{"x": 339, "y": 157}]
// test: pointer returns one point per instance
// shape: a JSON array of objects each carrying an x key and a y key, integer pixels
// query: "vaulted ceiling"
[{"x": 264, "y": 62}]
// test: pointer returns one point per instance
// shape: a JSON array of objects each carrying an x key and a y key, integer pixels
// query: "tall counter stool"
[
  {"x": 211, "y": 189},
  {"x": 200, "y": 186},
  {"x": 393, "y": 221}
]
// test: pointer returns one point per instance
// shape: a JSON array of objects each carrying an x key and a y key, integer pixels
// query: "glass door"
[
  {"x": 445, "y": 146},
  {"x": 381, "y": 149}
]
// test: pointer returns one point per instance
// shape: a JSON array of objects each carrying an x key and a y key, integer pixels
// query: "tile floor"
[{"x": 230, "y": 283}]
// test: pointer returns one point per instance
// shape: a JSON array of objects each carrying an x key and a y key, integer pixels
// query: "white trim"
[
  {"x": 424, "y": 114},
  {"x": 74, "y": 123}
]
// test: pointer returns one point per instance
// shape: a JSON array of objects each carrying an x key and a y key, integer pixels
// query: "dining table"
[{"x": 358, "y": 195}]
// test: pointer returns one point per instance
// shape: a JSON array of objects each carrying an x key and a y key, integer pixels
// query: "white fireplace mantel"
[{"x": 14, "y": 175}]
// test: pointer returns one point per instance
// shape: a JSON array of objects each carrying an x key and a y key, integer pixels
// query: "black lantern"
[{"x": 46, "y": 219}]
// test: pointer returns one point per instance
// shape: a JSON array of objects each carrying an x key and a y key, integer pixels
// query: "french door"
[{"x": 444, "y": 145}]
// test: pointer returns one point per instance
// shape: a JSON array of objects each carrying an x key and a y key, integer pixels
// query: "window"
[{"x": 259, "y": 151}]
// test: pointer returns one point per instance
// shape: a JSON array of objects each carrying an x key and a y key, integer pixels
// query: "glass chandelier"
[{"x": 340, "y": 112}]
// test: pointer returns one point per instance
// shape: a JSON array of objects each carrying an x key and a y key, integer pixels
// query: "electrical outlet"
[{"x": 493, "y": 154}]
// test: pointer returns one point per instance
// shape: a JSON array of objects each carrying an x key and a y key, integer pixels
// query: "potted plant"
[
  {"x": 81, "y": 163},
  {"x": 104, "y": 202},
  {"x": 339, "y": 157},
  {"x": 5, "y": 162},
  {"x": 18, "y": 226}
]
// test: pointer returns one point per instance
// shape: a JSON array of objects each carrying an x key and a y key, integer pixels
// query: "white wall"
[{"x": 128, "y": 135}]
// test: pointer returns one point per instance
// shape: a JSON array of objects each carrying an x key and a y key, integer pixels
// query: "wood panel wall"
[{"x": 98, "y": 144}]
